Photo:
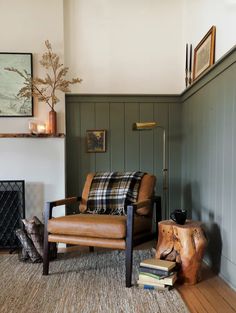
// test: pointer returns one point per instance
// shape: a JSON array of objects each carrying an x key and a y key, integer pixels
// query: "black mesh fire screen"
[{"x": 12, "y": 210}]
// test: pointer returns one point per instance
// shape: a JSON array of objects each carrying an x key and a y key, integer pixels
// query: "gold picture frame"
[
  {"x": 204, "y": 53},
  {"x": 96, "y": 140}
]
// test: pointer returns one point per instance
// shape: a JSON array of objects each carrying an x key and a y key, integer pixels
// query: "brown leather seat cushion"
[
  {"x": 146, "y": 191},
  {"x": 95, "y": 225}
]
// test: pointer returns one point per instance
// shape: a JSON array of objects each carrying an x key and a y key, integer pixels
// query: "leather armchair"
[{"x": 101, "y": 230}]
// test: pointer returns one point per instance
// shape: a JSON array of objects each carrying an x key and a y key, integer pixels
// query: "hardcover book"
[
  {"x": 152, "y": 287},
  {"x": 153, "y": 275},
  {"x": 146, "y": 283},
  {"x": 158, "y": 264},
  {"x": 154, "y": 271},
  {"x": 170, "y": 280}
]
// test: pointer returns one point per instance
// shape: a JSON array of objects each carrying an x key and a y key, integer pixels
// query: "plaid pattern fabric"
[{"x": 110, "y": 192}]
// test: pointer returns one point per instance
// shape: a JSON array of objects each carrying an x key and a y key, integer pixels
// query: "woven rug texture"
[{"x": 80, "y": 283}]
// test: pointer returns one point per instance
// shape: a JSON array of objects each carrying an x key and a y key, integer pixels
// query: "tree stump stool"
[{"x": 184, "y": 244}]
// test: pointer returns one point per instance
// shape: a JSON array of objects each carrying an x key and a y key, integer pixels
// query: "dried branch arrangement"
[{"x": 45, "y": 88}]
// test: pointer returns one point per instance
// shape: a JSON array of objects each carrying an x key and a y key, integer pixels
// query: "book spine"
[
  {"x": 152, "y": 287},
  {"x": 153, "y": 275},
  {"x": 154, "y": 271}
]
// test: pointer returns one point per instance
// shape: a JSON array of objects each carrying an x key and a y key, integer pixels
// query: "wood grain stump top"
[{"x": 184, "y": 244}]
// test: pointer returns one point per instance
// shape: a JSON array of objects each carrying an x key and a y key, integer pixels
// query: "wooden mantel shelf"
[{"x": 28, "y": 135}]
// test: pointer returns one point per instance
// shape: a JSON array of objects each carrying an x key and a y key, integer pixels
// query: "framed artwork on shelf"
[
  {"x": 204, "y": 53},
  {"x": 96, "y": 140},
  {"x": 10, "y": 84}
]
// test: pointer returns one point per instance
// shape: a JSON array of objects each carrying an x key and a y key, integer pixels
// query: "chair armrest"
[
  {"x": 50, "y": 205},
  {"x": 143, "y": 203},
  {"x": 65, "y": 201}
]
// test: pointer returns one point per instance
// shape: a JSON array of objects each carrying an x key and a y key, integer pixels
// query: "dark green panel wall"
[
  {"x": 208, "y": 161},
  {"x": 126, "y": 149}
]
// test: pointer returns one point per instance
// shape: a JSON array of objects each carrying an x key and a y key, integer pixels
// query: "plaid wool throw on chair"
[{"x": 110, "y": 192}]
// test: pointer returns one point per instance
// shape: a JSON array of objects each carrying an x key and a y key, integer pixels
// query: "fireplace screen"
[{"x": 12, "y": 210}]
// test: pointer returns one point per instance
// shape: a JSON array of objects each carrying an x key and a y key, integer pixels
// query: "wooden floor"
[{"x": 211, "y": 295}]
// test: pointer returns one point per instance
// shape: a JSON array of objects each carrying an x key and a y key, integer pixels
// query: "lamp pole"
[
  {"x": 164, "y": 172},
  {"x": 149, "y": 126}
]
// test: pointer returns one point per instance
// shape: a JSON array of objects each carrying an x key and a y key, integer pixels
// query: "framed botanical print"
[
  {"x": 11, "y": 105},
  {"x": 204, "y": 53}
]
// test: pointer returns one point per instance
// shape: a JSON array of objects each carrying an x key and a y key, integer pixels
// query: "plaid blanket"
[{"x": 111, "y": 192}]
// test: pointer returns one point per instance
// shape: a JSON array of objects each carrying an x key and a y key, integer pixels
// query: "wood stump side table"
[{"x": 184, "y": 244}]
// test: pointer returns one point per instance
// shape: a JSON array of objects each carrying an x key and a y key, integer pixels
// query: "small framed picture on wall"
[{"x": 96, "y": 140}]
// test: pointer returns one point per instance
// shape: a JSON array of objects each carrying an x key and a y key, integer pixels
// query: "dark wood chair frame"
[{"x": 130, "y": 242}]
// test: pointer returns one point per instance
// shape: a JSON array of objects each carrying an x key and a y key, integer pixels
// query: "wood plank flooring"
[{"x": 211, "y": 295}]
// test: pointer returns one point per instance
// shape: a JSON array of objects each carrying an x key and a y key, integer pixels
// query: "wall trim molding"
[
  {"x": 227, "y": 60},
  {"x": 122, "y": 98},
  {"x": 219, "y": 67}
]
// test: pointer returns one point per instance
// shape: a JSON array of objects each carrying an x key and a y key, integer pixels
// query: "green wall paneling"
[
  {"x": 208, "y": 161},
  {"x": 126, "y": 149}
]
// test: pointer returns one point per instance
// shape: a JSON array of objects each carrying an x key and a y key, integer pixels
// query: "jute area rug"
[{"x": 80, "y": 283}]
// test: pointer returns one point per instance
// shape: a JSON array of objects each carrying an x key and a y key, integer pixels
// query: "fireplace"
[{"x": 12, "y": 210}]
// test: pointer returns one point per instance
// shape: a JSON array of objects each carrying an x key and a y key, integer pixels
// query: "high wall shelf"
[{"x": 28, "y": 135}]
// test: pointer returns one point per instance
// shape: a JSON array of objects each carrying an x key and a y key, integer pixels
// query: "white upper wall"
[
  {"x": 24, "y": 27},
  {"x": 200, "y": 15},
  {"x": 125, "y": 46},
  {"x": 136, "y": 46}
]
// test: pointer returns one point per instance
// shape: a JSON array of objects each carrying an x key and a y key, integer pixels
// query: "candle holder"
[
  {"x": 41, "y": 128},
  {"x": 33, "y": 127},
  {"x": 37, "y": 127},
  {"x": 188, "y": 66}
]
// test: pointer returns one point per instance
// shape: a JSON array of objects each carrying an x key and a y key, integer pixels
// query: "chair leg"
[
  {"x": 128, "y": 266},
  {"x": 46, "y": 248},
  {"x": 129, "y": 246}
]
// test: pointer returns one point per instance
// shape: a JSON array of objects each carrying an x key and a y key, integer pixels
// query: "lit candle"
[
  {"x": 190, "y": 59},
  {"x": 41, "y": 128},
  {"x": 186, "y": 64}
]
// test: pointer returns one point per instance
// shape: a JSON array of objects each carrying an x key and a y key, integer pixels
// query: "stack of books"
[{"x": 156, "y": 274}]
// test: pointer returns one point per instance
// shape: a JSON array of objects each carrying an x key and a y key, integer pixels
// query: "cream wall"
[
  {"x": 126, "y": 47},
  {"x": 24, "y": 26},
  {"x": 200, "y": 15}
]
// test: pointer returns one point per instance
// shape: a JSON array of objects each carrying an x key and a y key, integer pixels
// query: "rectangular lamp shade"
[{"x": 144, "y": 125}]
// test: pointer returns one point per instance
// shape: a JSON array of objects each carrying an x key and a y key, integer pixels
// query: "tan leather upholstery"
[
  {"x": 96, "y": 225},
  {"x": 88, "y": 241},
  {"x": 146, "y": 190},
  {"x": 85, "y": 193}
]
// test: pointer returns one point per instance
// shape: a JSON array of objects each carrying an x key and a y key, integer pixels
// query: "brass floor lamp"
[{"x": 148, "y": 126}]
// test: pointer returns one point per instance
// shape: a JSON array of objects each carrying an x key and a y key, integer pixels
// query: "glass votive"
[
  {"x": 33, "y": 127},
  {"x": 41, "y": 128}
]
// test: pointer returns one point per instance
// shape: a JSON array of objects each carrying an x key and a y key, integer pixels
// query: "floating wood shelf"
[{"x": 28, "y": 135}]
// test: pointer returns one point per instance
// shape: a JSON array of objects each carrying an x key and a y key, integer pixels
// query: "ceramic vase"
[{"x": 53, "y": 122}]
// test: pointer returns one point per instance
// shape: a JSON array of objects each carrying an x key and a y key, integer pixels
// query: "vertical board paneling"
[
  {"x": 102, "y": 121},
  {"x": 87, "y": 120},
  {"x": 161, "y": 115},
  {"x": 127, "y": 150},
  {"x": 146, "y": 139},
  {"x": 132, "y": 138},
  {"x": 117, "y": 136},
  {"x": 73, "y": 144},
  {"x": 208, "y": 165},
  {"x": 175, "y": 133},
  {"x": 229, "y": 87},
  {"x": 233, "y": 193}
]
